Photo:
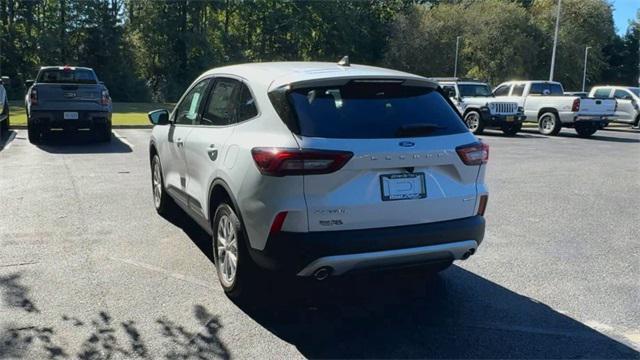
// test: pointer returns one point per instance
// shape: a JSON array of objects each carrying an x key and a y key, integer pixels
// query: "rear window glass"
[
  {"x": 67, "y": 76},
  {"x": 373, "y": 110}
]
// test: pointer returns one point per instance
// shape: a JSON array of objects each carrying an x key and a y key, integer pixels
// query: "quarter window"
[
  {"x": 247, "y": 104},
  {"x": 189, "y": 109}
]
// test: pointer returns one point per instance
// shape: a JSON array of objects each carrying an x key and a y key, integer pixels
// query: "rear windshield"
[
  {"x": 67, "y": 76},
  {"x": 635, "y": 91},
  {"x": 361, "y": 110}
]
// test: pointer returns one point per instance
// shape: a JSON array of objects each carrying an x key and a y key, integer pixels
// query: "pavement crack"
[
  {"x": 19, "y": 264},
  {"x": 163, "y": 271}
]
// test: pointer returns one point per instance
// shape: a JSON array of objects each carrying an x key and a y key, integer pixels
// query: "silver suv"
[{"x": 320, "y": 169}]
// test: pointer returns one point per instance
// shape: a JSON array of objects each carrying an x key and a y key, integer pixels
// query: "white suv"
[{"x": 320, "y": 169}]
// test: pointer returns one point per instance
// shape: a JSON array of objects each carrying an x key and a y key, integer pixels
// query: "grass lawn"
[{"x": 123, "y": 113}]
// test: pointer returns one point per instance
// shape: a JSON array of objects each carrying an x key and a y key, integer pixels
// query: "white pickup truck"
[
  {"x": 4, "y": 107},
  {"x": 544, "y": 102}
]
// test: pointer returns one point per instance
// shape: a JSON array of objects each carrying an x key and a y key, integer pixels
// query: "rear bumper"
[
  {"x": 343, "y": 251},
  {"x": 53, "y": 119},
  {"x": 572, "y": 118}
]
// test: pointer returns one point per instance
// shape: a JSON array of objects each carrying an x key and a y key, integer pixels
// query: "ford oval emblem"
[{"x": 407, "y": 144}]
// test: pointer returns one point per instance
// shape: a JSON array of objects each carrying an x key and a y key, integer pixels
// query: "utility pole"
[
  {"x": 555, "y": 42},
  {"x": 584, "y": 74},
  {"x": 455, "y": 68}
]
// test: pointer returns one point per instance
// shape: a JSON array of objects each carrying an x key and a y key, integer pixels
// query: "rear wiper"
[{"x": 418, "y": 129}]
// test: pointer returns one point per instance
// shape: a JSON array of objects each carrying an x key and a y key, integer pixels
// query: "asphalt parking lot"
[{"x": 89, "y": 270}]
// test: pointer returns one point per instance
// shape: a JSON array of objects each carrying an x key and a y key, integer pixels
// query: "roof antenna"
[{"x": 344, "y": 61}]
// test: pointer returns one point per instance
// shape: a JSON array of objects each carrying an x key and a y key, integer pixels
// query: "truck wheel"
[
  {"x": 474, "y": 122},
  {"x": 236, "y": 271},
  {"x": 511, "y": 129},
  {"x": 548, "y": 124},
  {"x": 34, "y": 133},
  {"x": 586, "y": 130},
  {"x": 104, "y": 133}
]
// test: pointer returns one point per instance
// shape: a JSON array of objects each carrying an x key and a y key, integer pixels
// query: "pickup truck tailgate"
[
  {"x": 599, "y": 107},
  {"x": 49, "y": 94}
]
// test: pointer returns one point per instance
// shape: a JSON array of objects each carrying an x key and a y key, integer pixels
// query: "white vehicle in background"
[
  {"x": 544, "y": 102},
  {"x": 628, "y": 98},
  {"x": 479, "y": 108},
  {"x": 320, "y": 169},
  {"x": 4, "y": 107}
]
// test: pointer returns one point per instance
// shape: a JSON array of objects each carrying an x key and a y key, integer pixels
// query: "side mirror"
[
  {"x": 29, "y": 83},
  {"x": 4, "y": 80},
  {"x": 159, "y": 117}
]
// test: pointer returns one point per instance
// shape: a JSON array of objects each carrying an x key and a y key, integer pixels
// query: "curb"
[{"x": 24, "y": 127}]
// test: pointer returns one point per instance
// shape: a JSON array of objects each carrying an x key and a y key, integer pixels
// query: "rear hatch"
[
  {"x": 597, "y": 107},
  {"x": 404, "y": 169}
]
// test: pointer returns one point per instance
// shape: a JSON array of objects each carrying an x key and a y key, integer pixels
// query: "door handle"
[
  {"x": 179, "y": 143},
  {"x": 212, "y": 152}
]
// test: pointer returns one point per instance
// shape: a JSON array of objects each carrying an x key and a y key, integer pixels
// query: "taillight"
[
  {"x": 474, "y": 154},
  {"x": 285, "y": 161},
  {"x": 33, "y": 97},
  {"x": 482, "y": 206},
  {"x": 576, "y": 105},
  {"x": 278, "y": 221},
  {"x": 105, "y": 99}
]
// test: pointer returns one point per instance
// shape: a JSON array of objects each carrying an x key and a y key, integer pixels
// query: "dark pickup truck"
[{"x": 69, "y": 98}]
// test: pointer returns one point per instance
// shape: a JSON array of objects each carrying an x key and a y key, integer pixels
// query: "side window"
[
  {"x": 536, "y": 89},
  {"x": 246, "y": 105},
  {"x": 188, "y": 110},
  {"x": 555, "y": 89},
  {"x": 518, "y": 90},
  {"x": 602, "y": 93},
  {"x": 502, "y": 90},
  {"x": 449, "y": 90},
  {"x": 621, "y": 94},
  {"x": 222, "y": 102}
]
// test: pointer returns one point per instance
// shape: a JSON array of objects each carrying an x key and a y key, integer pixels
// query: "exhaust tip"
[
  {"x": 322, "y": 273},
  {"x": 467, "y": 254}
]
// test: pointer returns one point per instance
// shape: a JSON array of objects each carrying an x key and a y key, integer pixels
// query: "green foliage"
[{"x": 152, "y": 49}]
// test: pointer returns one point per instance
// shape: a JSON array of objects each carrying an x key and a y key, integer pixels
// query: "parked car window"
[
  {"x": 246, "y": 105},
  {"x": 373, "y": 110},
  {"x": 67, "y": 76},
  {"x": 635, "y": 91},
  {"x": 547, "y": 89},
  {"x": 474, "y": 90},
  {"x": 449, "y": 90},
  {"x": 622, "y": 94},
  {"x": 188, "y": 110},
  {"x": 518, "y": 90},
  {"x": 602, "y": 93},
  {"x": 502, "y": 90},
  {"x": 222, "y": 103}
]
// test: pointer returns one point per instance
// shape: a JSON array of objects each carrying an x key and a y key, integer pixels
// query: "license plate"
[
  {"x": 404, "y": 186},
  {"x": 510, "y": 118},
  {"x": 71, "y": 116}
]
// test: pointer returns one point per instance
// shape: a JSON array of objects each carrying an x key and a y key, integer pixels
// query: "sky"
[{"x": 623, "y": 11}]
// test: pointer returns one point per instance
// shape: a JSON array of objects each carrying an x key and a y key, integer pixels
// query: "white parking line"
[{"x": 123, "y": 139}]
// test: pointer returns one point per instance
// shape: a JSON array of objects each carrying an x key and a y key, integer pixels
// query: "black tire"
[
  {"x": 35, "y": 134},
  {"x": 4, "y": 125},
  {"x": 163, "y": 202},
  {"x": 585, "y": 131},
  {"x": 104, "y": 133},
  {"x": 239, "y": 286},
  {"x": 511, "y": 129},
  {"x": 549, "y": 124},
  {"x": 474, "y": 122},
  {"x": 637, "y": 122}
]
